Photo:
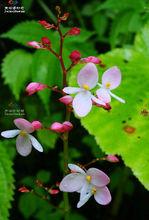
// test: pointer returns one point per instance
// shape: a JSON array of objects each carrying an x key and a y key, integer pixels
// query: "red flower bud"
[
  {"x": 112, "y": 158},
  {"x": 23, "y": 189},
  {"x": 67, "y": 99},
  {"x": 75, "y": 56},
  {"x": 37, "y": 125},
  {"x": 53, "y": 191},
  {"x": 34, "y": 87},
  {"x": 74, "y": 31},
  {"x": 64, "y": 17},
  {"x": 46, "y": 25},
  {"x": 45, "y": 41},
  {"x": 91, "y": 59},
  {"x": 61, "y": 127}
]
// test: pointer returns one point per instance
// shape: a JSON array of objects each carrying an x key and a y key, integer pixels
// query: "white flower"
[
  {"x": 24, "y": 139},
  {"x": 91, "y": 182},
  {"x": 87, "y": 79},
  {"x": 111, "y": 79}
]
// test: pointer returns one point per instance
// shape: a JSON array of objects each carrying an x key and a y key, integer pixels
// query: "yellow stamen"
[
  {"x": 88, "y": 178},
  {"x": 85, "y": 86},
  {"x": 23, "y": 133},
  {"x": 94, "y": 190},
  {"x": 108, "y": 85}
]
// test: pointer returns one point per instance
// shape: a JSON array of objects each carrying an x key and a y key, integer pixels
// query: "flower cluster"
[
  {"x": 87, "y": 183},
  {"x": 87, "y": 79}
]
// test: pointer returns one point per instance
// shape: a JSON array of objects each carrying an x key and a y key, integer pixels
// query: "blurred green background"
[{"x": 121, "y": 27}]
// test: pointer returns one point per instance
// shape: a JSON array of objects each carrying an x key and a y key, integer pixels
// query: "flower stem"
[{"x": 68, "y": 113}]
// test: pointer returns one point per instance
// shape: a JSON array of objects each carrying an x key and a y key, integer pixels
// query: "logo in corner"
[{"x": 14, "y": 6}]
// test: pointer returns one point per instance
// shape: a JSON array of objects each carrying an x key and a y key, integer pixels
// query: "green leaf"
[
  {"x": 123, "y": 130},
  {"x": 26, "y": 31},
  {"x": 6, "y": 181},
  {"x": 16, "y": 70}
]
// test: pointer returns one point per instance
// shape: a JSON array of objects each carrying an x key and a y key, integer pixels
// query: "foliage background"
[{"x": 105, "y": 25}]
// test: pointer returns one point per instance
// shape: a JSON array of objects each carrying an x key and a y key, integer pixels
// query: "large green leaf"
[
  {"x": 6, "y": 181},
  {"x": 123, "y": 130},
  {"x": 16, "y": 70}
]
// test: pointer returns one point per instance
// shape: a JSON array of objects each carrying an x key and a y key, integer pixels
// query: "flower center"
[
  {"x": 88, "y": 178},
  {"x": 23, "y": 133},
  {"x": 86, "y": 87},
  {"x": 108, "y": 85},
  {"x": 94, "y": 190}
]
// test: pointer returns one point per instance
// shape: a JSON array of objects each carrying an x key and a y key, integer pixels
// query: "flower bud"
[
  {"x": 45, "y": 41},
  {"x": 64, "y": 17},
  {"x": 112, "y": 158},
  {"x": 67, "y": 99},
  {"x": 74, "y": 31},
  {"x": 37, "y": 125},
  {"x": 91, "y": 59},
  {"x": 67, "y": 126},
  {"x": 53, "y": 191},
  {"x": 34, "y": 87},
  {"x": 23, "y": 189},
  {"x": 34, "y": 44},
  {"x": 57, "y": 127},
  {"x": 75, "y": 56},
  {"x": 46, "y": 25}
]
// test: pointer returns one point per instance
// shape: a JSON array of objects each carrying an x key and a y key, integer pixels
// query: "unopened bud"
[
  {"x": 67, "y": 99},
  {"x": 37, "y": 125},
  {"x": 45, "y": 41},
  {"x": 34, "y": 87},
  {"x": 67, "y": 126},
  {"x": 23, "y": 189},
  {"x": 61, "y": 127},
  {"x": 74, "y": 31},
  {"x": 34, "y": 44},
  {"x": 112, "y": 158},
  {"x": 53, "y": 191},
  {"x": 64, "y": 17},
  {"x": 46, "y": 25},
  {"x": 91, "y": 59},
  {"x": 75, "y": 56}
]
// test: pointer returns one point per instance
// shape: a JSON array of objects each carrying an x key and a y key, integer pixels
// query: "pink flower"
[
  {"x": 91, "y": 59},
  {"x": 37, "y": 125},
  {"x": 91, "y": 182},
  {"x": 112, "y": 158},
  {"x": 87, "y": 79},
  {"x": 46, "y": 25},
  {"x": 61, "y": 127},
  {"x": 111, "y": 79},
  {"x": 35, "y": 44},
  {"x": 25, "y": 140},
  {"x": 67, "y": 99},
  {"x": 74, "y": 31},
  {"x": 75, "y": 56},
  {"x": 34, "y": 87}
]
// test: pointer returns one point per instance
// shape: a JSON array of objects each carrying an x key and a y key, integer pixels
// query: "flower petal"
[
  {"x": 23, "y": 145},
  {"x": 102, "y": 196},
  {"x": 82, "y": 103},
  {"x": 88, "y": 75},
  {"x": 76, "y": 168},
  {"x": 112, "y": 78},
  {"x": 116, "y": 97},
  {"x": 84, "y": 200},
  {"x": 98, "y": 178},
  {"x": 103, "y": 95},
  {"x": 72, "y": 182},
  {"x": 98, "y": 101},
  {"x": 35, "y": 143},
  {"x": 72, "y": 90},
  {"x": 10, "y": 133},
  {"x": 23, "y": 124},
  {"x": 86, "y": 189}
]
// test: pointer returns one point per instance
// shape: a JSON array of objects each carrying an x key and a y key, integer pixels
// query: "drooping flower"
[
  {"x": 111, "y": 79},
  {"x": 25, "y": 140},
  {"x": 87, "y": 79},
  {"x": 91, "y": 182}
]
